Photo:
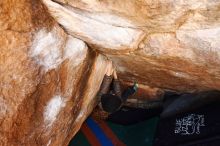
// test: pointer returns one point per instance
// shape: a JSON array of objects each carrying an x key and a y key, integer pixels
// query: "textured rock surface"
[
  {"x": 174, "y": 44},
  {"x": 49, "y": 77}
]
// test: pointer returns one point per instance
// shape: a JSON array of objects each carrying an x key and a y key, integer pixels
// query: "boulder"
[
  {"x": 171, "y": 44},
  {"x": 48, "y": 79},
  {"x": 53, "y": 56}
]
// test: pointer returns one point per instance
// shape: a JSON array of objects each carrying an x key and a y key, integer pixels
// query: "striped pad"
[{"x": 99, "y": 134}]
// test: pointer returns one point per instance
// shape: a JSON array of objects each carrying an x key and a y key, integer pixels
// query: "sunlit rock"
[{"x": 179, "y": 48}]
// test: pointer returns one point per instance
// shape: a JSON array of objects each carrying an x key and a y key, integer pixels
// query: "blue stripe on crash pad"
[{"x": 99, "y": 133}]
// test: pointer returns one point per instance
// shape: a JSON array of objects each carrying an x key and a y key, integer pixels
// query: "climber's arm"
[
  {"x": 129, "y": 91},
  {"x": 116, "y": 84},
  {"x": 105, "y": 86}
]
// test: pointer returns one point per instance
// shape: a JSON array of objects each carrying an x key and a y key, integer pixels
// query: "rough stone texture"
[
  {"x": 48, "y": 79},
  {"x": 170, "y": 44}
]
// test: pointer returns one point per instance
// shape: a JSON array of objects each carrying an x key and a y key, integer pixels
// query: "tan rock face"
[
  {"x": 49, "y": 77},
  {"x": 173, "y": 44}
]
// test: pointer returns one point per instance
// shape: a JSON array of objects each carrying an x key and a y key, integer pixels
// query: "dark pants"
[{"x": 129, "y": 115}]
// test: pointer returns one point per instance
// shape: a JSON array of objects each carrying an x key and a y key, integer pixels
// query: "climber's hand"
[
  {"x": 109, "y": 68},
  {"x": 135, "y": 86},
  {"x": 115, "y": 74}
]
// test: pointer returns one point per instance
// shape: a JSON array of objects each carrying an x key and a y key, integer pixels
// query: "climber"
[{"x": 111, "y": 97}]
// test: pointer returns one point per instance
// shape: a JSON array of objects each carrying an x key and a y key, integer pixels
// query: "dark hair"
[{"x": 110, "y": 103}]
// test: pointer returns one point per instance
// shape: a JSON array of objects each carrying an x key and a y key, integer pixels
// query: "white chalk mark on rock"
[
  {"x": 46, "y": 48},
  {"x": 75, "y": 49},
  {"x": 53, "y": 108},
  {"x": 81, "y": 115}
]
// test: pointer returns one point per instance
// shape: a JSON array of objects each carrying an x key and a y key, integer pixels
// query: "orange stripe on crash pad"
[
  {"x": 89, "y": 135},
  {"x": 109, "y": 133}
]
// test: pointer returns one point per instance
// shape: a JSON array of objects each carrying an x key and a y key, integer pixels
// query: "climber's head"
[{"x": 110, "y": 103}]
